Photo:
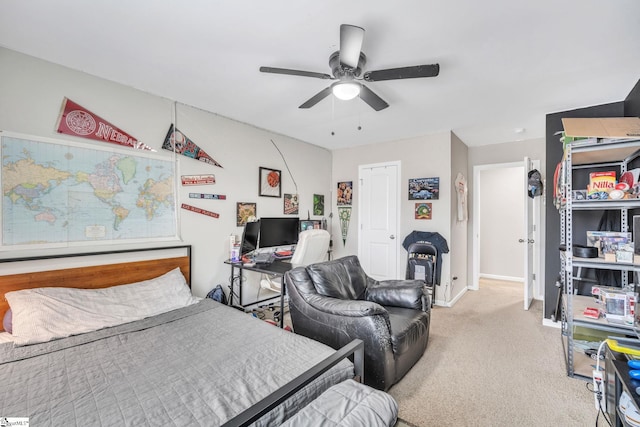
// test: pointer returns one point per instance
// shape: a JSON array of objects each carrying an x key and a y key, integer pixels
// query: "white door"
[
  {"x": 378, "y": 220},
  {"x": 528, "y": 239}
]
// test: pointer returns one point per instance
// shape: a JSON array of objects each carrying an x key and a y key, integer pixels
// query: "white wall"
[
  {"x": 32, "y": 91},
  {"x": 502, "y": 223},
  {"x": 421, "y": 157}
]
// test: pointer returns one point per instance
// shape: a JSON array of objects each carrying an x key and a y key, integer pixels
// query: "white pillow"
[
  {"x": 43, "y": 314},
  {"x": 5, "y": 337}
]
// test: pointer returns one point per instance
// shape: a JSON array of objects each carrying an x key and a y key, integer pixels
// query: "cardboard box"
[
  {"x": 596, "y": 239},
  {"x": 606, "y": 127}
]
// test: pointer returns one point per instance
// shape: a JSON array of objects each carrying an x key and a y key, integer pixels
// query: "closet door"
[{"x": 378, "y": 220}]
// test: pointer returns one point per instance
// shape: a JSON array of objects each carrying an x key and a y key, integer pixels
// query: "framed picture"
[
  {"x": 270, "y": 183},
  {"x": 423, "y": 211},
  {"x": 245, "y": 212},
  {"x": 291, "y": 204},
  {"x": 310, "y": 224},
  {"x": 424, "y": 188},
  {"x": 318, "y": 204},
  {"x": 345, "y": 193}
]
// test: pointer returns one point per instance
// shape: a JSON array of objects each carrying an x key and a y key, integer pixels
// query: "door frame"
[
  {"x": 398, "y": 165},
  {"x": 475, "y": 259}
]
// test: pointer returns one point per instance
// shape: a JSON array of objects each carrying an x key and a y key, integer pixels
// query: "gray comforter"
[{"x": 197, "y": 366}]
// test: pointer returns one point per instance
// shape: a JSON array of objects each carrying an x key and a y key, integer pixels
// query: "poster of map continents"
[{"x": 60, "y": 193}]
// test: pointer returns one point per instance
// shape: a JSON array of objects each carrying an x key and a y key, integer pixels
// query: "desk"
[{"x": 276, "y": 268}]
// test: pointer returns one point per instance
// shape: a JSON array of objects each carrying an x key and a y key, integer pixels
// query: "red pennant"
[{"x": 78, "y": 121}]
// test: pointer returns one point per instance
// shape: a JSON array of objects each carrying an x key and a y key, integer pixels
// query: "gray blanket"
[{"x": 197, "y": 366}]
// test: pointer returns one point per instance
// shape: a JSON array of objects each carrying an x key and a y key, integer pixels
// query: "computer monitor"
[
  {"x": 276, "y": 232},
  {"x": 250, "y": 237}
]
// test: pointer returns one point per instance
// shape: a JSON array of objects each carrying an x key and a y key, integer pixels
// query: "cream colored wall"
[
  {"x": 421, "y": 157},
  {"x": 32, "y": 91},
  {"x": 459, "y": 235}
]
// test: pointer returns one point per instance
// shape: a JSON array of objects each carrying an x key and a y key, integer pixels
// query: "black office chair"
[{"x": 421, "y": 265}]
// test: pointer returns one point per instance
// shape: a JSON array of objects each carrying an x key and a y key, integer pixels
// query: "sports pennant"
[
  {"x": 344, "y": 212},
  {"x": 78, "y": 121},
  {"x": 178, "y": 142}
]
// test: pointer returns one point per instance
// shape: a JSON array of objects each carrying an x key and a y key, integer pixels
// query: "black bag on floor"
[{"x": 217, "y": 294}]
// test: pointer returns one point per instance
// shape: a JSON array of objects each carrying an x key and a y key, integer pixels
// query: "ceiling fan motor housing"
[{"x": 342, "y": 72}]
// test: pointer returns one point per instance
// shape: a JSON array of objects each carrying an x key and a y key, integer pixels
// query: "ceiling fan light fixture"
[{"x": 346, "y": 90}]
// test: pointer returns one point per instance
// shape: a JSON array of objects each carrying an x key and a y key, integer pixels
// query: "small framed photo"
[
  {"x": 318, "y": 204},
  {"x": 290, "y": 204},
  {"x": 270, "y": 183},
  {"x": 310, "y": 224},
  {"x": 424, "y": 188},
  {"x": 345, "y": 193},
  {"x": 245, "y": 212},
  {"x": 423, "y": 211}
]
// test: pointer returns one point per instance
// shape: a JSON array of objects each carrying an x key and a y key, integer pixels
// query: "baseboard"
[
  {"x": 499, "y": 277},
  {"x": 550, "y": 323},
  {"x": 451, "y": 303}
]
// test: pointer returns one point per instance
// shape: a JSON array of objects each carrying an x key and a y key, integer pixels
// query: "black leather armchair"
[{"x": 334, "y": 302}]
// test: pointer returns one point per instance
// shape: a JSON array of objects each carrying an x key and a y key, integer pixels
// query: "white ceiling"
[{"x": 504, "y": 64}]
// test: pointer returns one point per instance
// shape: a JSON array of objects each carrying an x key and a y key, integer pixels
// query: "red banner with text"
[{"x": 78, "y": 121}]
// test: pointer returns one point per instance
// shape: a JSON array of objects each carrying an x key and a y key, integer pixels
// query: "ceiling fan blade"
[
  {"x": 351, "y": 38},
  {"x": 295, "y": 72},
  {"x": 317, "y": 98},
  {"x": 372, "y": 99},
  {"x": 403, "y": 73}
]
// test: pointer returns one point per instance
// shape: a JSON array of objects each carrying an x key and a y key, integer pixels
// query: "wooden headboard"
[{"x": 98, "y": 273}]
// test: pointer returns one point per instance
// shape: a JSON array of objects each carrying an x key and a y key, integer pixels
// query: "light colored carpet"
[{"x": 491, "y": 363}]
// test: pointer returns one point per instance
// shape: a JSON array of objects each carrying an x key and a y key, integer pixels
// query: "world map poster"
[{"x": 56, "y": 193}]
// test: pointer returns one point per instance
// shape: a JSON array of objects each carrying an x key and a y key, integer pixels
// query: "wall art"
[
  {"x": 318, "y": 204},
  {"x": 424, "y": 188},
  {"x": 291, "y": 204},
  {"x": 200, "y": 210},
  {"x": 58, "y": 192},
  {"x": 423, "y": 210},
  {"x": 178, "y": 142},
  {"x": 345, "y": 217},
  {"x": 345, "y": 193},
  {"x": 207, "y": 196},
  {"x": 270, "y": 184},
  {"x": 76, "y": 120},
  {"x": 310, "y": 224},
  {"x": 198, "y": 179},
  {"x": 245, "y": 212}
]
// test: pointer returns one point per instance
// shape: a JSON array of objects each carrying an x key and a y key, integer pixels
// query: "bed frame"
[
  {"x": 110, "y": 268},
  {"x": 99, "y": 272}
]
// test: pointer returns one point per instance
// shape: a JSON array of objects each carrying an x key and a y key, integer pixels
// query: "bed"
[{"x": 203, "y": 363}]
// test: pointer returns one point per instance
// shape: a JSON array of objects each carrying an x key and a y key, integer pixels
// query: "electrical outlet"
[{"x": 598, "y": 389}]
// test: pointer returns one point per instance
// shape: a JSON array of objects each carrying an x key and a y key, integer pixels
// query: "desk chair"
[{"x": 312, "y": 247}]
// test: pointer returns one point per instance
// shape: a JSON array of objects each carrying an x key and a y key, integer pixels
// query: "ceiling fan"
[{"x": 347, "y": 65}]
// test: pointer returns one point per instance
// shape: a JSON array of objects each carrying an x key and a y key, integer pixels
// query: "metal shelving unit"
[{"x": 585, "y": 154}]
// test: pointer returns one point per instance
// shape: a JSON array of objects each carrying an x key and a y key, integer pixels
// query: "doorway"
[{"x": 499, "y": 240}]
